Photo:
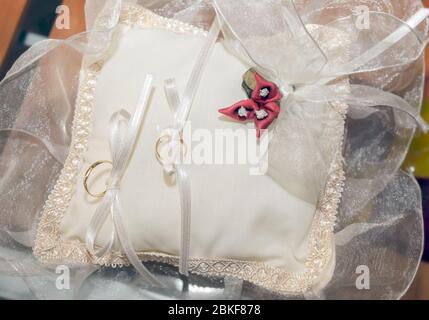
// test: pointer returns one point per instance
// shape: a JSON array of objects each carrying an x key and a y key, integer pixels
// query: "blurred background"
[{"x": 25, "y": 22}]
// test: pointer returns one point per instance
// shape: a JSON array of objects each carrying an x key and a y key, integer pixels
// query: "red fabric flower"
[
  {"x": 272, "y": 106},
  {"x": 263, "y": 119},
  {"x": 265, "y": 91},
  {"x": 241, "y": 111},
  {"x": 263, "y": 107}
]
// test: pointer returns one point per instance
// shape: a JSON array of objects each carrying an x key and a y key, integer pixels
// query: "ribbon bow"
[
  {"x": 124, "y": 130},
  {"x": 310, "y": 80},
  {"x": 319, "y": 66}
]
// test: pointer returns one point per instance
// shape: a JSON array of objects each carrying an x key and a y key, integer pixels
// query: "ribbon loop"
[
  {"x": 124, "y": 130},
  {"x": 180, "y": 109},
  {"x": 359, "y": 96}
]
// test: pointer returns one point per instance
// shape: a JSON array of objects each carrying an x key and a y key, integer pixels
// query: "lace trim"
[
  {"x": 136, "y": 16},
  {"x": 48, "y": 243},
  {"x": 51, "y": 248}
]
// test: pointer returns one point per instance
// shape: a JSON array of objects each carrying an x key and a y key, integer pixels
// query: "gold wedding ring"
[
  {"x": 164, "y": 140},
  {"x": 88, "y": 174}
]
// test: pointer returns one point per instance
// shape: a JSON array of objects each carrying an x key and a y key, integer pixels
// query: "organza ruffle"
[{"x": 379, "y": 223}]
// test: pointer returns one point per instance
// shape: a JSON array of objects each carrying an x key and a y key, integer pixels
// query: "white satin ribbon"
[
  {"x": 181, "y": 109},
  {"x": 124, "y": 130}
]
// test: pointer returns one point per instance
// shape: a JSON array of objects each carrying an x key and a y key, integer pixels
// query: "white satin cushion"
[{"x": 234, "y": 214}]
